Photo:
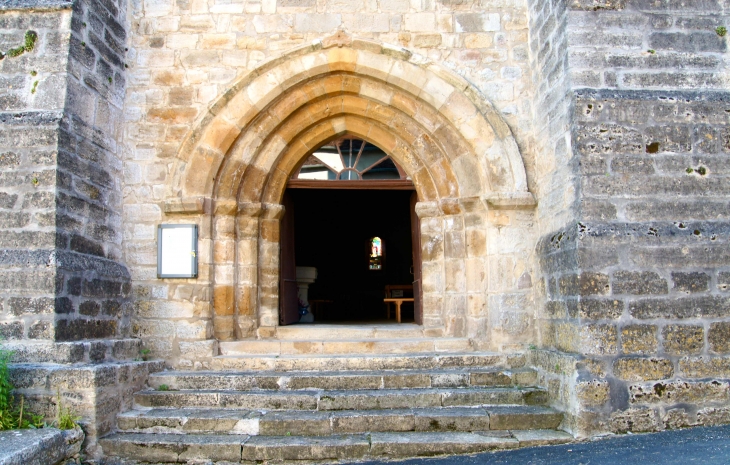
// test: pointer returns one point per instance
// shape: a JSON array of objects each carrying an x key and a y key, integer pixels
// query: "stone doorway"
[{"x": 235, "y": 166}]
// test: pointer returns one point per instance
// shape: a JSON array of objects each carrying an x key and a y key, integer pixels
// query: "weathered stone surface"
[
  {"x": 346, "y": 400},
  {"x": 521, "y": 418},
  {"x": 364, "y": 421},
  {"x": 676, "y": 418},
  {"x": 46, "y": 445},
  {"x": 713, "y": 416},
  {"x": 680, "y": 391},
  {"x": 705, "y": 367},
  {"x": 643, "y": 369},
  {"x": 683, "y": 339},
  {"x": 532, "y": 438},
  {"x": 297, "y": 448},
  {"x": 190, "y": 421},
  {"x": 484, "y": 397},
  {"x": 690, "y": 282},
  {"x": 594, "y": 392},
  {"x": 638, "y": 283},
  {"x": 639, "y": 339},
  {"x": 288, "y": 423},
  {"x": 174, "y": 447},
  {"x": 595, "y": 309},
  {"x": 451, "y": 419},
  {"x": 599, "y": 339},
  {"x": 688, "y": 307},
  {"x": 634, "y": 420},
  {"x": 425, "y": 444},
  {"x": 719, "y": 337}
]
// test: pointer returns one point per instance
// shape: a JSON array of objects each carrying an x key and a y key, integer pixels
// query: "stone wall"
[
  {"x": 557, "y": 187},
  {"x": 32, "y": 95},
  {"x": 60, "y": 190},
  {"x": 655, "y": 231},
  {"x": 636, "y": 286},
  {"x": 89, "y": 199},
  {"x": 647, "y": 44},
  {"x": 95, "y": 392}
]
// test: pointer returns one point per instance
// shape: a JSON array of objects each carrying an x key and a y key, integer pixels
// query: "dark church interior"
[{"x": 332, "y": 228}]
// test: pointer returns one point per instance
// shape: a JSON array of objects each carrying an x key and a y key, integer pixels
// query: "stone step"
[
  {"x": 324, "y": 331},
  {"x": 324, "y": 423},
  {"x": 388, "y": 379},
  {"x": 366, "y": 361},
  {"x": 345, "y": 346},
  {"x": 176, "y": 448},
  {"x": 365, "y": 399}
]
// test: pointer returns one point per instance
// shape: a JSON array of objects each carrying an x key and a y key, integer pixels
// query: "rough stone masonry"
[{"x": 570, "y": 157}]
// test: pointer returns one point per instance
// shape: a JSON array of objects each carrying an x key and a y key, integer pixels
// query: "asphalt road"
[{"x": 706, "y": 446}]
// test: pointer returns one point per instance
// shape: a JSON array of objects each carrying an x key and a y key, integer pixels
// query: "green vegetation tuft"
[
  {"x": 721, "y": 31},
  {"x": 12, "y": 416},
  {"x": 65, "y": 417}
]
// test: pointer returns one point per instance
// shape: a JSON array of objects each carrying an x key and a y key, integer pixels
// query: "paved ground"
[{"x": 706, "y": 446}]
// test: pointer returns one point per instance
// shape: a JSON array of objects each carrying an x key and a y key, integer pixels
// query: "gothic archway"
[{"x": 449, "y": 140}]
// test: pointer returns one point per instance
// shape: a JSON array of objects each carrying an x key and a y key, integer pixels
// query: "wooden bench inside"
[{"x": 398, "y": 301}]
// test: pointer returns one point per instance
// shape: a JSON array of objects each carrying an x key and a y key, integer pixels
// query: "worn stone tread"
[
  {"x": 171, "y": 448},
  {"x": 524, "y": 418},
  {"x": 364, "y": 399},
  {"x": 306, "y": 448},
  {"x": 363, "y": 379},
  {"x": 541, "y": 437},
  {"x": 337, "y": 331},
  {"x": 299, "y": 400},
  {"x": 429, "y": 397},
  {"x": 317, "y": 362},
  {"x": 427, "y": 444},
  {"x": 185, "y": 420},
  {"x": 323, "y": 423},
  {"x": 347, "y": 345}
]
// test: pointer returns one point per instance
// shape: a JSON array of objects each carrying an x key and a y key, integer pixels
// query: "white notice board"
[{"x": 177, "y": 251}]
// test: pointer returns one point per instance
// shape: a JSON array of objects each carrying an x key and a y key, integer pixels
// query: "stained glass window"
[
  {"x": 376, "y": 253},
  {"x": 349, "y": 159}
]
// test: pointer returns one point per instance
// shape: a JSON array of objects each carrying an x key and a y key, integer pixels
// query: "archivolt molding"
[{"x": 448, "y": 138}]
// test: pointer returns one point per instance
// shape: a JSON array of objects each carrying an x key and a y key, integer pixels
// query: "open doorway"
[
  {"x": 356, "y": 228},
  {"x": 334, "y": 233}
]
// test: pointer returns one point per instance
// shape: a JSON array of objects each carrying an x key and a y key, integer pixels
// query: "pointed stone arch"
[{"x": 449, "y": 139}]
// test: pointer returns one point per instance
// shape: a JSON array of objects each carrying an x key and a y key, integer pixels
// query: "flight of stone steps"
[{"x": 328, "y": 407}]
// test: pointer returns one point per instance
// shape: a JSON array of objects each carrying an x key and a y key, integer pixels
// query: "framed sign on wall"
[{"x": 177, "y": 251}]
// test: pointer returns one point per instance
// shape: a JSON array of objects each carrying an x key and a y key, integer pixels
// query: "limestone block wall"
[
  {"x": 60, "y": 184},
  {"x": 655, "y": 234},
  {"x": 557, "y": 187},
  {"x": 551, "y": 163},
  {"x": 93, "y": 302},
  {"x": 96, "y": 392},
  {"x": 645, "y": 44},
  {"x": 636, "y": 285},
  {"x": 183, "y": 56},
  {"x": 31, "y": 105}
]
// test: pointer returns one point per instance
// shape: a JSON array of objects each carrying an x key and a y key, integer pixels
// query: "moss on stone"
[{"x": 28, "y": 45}]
